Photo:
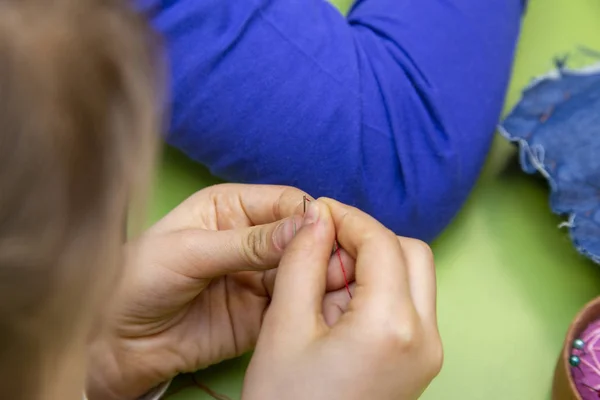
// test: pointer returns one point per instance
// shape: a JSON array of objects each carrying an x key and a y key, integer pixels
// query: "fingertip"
[
  {"x": 285, "y": 231},
  {"x": 314, "y": 232},
  {"x": 312, "y": 213},
  {"x": 315, "y": 212}
]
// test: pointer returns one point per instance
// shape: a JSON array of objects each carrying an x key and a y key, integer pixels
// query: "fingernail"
[
  {"x": 284, "y": 233},
  {"x": 312, "y": 214}
]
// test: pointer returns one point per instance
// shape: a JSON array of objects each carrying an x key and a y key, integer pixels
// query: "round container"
[{"x": 563, "y": 387}]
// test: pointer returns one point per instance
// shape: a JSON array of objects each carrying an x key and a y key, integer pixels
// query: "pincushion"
[{"x": 576, "y": 377}]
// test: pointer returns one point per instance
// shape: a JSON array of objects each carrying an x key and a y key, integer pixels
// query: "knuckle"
[
  {"x": 437, "y": 358},
  {"x": 404, "y": 337},
  {"x": 255, "y": 246},
  {"x": 369, "y": 228},
  {"x": 409, "y": 338},
  {"x": 399, "y": 339},
  {"x": 418, "y": 249},
  {"x": 218, "y": 197},
  {"x": 389, "y": 237},
  {"x": 346, "y": 215},
  {"x": 216, "y": 194},
  {"x": 383, "y": 238}
]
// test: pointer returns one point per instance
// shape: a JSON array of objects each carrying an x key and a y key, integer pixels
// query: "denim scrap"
[{"x": 556, "y": 126}]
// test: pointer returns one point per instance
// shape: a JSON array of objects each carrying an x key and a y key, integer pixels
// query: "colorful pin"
[{"x": 578, "y": 344}]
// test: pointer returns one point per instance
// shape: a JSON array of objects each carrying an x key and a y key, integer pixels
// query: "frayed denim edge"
[{"x": 533, "y": 155}]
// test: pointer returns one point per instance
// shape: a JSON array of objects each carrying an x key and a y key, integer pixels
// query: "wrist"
[{"x": 109, "y": 376}]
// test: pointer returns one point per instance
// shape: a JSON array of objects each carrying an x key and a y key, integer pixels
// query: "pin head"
[
  {"x": 574, "y": 361},
  {"x": 578, "y": 344}
]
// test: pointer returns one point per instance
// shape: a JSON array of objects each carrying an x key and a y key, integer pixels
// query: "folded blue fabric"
[{"x": 557, "y": 128}]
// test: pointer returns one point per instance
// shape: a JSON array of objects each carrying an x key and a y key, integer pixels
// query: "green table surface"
[{"x": 509, "y": 280}]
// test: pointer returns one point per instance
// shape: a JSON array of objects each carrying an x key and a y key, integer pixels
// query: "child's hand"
[
  {"x": 196, "y": 287},
  {"x": 384, "y": 345}
]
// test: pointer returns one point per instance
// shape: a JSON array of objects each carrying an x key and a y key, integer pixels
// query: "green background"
[{"x": 509, "y": 280}]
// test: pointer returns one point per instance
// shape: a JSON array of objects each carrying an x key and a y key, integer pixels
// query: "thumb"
[
  {"x": 302, "y": 273},
  {"x": 206, "y": 254}
]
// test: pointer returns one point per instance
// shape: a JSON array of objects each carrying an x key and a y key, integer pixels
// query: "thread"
[
  {"x": 199, "y": 385},
  {"x": 209, "y": 391},
  {"x": 337, "y": 252},
  {"x": 218, "y": 396}
]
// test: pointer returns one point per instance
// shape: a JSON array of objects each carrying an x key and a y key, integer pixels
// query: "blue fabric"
[
  {"x": 557, "y": 127},
  {"x": 391, "y": 109}
]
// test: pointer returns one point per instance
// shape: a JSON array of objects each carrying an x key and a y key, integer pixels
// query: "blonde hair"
[{"x": 79, "y": 114}]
